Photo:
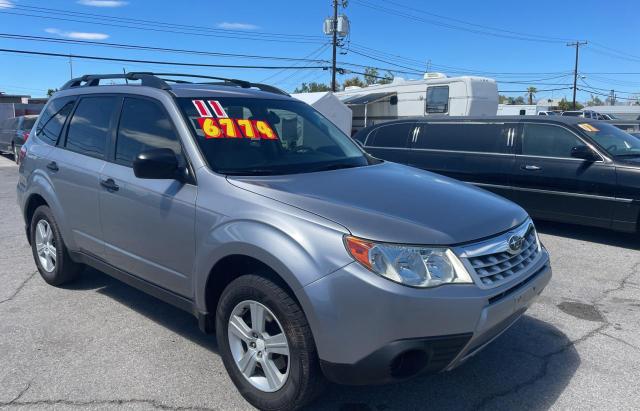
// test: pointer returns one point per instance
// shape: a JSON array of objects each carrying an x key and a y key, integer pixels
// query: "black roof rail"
[
  {"x": 151, "y": 79},
  {"x": 225, "y": 80},
  {"x": 147, "y": 79}
]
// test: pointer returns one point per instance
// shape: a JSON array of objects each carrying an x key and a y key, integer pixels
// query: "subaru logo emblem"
[{"x": 515, "y": 243}]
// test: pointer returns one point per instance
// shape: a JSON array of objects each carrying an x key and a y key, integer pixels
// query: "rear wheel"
[
  {"x": 49, "y": 252},
  {"x": 266, "y": 345}
]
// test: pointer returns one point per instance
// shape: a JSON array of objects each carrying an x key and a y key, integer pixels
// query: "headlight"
[{"x": 409, "y": 265}]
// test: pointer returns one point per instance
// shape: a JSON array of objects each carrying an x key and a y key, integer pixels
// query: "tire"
[
  {"x": 303, "y": 379},
  {"x": 45, "y": 235}
]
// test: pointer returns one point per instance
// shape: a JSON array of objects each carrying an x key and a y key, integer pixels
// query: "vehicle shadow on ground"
[
  {"x": 157, "y": 311},
  {"x": 591, "y": 234},
  {"x": 528, "y": 367}
]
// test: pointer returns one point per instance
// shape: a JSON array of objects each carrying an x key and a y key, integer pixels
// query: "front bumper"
[{"x": 370, "y": 330}]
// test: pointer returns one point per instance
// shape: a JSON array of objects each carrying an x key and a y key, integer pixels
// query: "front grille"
[{"x": 500, "y": 265}]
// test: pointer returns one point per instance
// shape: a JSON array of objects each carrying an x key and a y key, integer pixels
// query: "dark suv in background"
[
  {"x": 566, "y": 169},
  {"x": 14, "y": 132}
]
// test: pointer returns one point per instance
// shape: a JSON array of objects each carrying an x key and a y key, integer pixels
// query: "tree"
[
  {"x": 595, "y": 101},
  {"x": 503, "y": 99},
  {"x": 531, "y": 91},
  {"x": 354, "y": 81},
  {"x": 388, "y": 78},
  {"x": 519, "y": 100},
  {"x": 312, "y": 87},
  {"x": 370, "y": 76},
  {"x": 565, "y": 105},
  {"x": 51, "y": 91}
]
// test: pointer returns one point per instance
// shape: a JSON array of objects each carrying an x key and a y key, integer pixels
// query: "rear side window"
[
  {"x": 548, "y": 141},
  {"x": 482, "y": 138},
  {"x": 392, "y": 135},
  {"x": 144, "y": 125},
  {"x": 53, "y": 118},
  {"x": 437, "y": 99},
  {"x": 89, "y": 128},
  {"x": 27, "y": 123}
]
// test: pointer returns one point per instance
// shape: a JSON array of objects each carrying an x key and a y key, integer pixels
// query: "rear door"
[
  {"x": 551, "y": 184},
  {"x": 75, "y": 166},
  {"x": 476, "y": 152},
  {"x": 391, "y": 141},
  {"x": 148, "y": 224}
]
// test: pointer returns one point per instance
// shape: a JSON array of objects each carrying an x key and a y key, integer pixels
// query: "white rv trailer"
[{"x": 434, "y": 95}]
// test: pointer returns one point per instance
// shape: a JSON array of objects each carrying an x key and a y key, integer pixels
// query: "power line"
[
  {"x": 151, "y": 48},
  {"x": 165, "y": 30},
  {"x": 156, "y": 23},
  {"x": 171, "y": 63}
]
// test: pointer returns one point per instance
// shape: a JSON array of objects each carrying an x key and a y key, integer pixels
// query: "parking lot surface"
[{"x": 100, "y": 344}]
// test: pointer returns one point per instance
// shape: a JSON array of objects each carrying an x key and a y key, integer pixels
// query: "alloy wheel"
[
  {"x": 46, "y": 246},
  {"x": 259, "y": 346}
]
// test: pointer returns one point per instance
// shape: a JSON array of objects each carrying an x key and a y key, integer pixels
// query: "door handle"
[
  {"x": 530, "y": 167},
  {"x": 53, "y": 166},
  {"x": 109, "y": 184}
]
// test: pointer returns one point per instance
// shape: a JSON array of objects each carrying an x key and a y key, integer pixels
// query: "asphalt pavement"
[{"x": 100, "y": 344}]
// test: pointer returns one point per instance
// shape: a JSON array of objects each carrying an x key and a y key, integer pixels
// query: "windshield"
[
  {"x": 244, "y": 136},
  {"x": 572, "y": 113},
  {"x": 611, "y": 138}
]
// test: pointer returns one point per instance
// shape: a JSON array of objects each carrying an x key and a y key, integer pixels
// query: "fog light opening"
[{"x": 408, "y": 363}]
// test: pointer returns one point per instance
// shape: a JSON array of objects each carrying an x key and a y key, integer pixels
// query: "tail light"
[
  {"x": 25, "y": 135},
  {"x": 23, "y": 151}
]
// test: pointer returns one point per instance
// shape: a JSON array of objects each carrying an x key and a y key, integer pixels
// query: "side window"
[
  {"x": 144, "y": 125},
  {"x": 437, "y": 99},
  {"x": 482, "y": 138},
  {"x": 392, "y": 135},
  {"x": 53, "y": 118},
  {"x": 89, "y": 128},
  {"x": 548, "y": 141}
]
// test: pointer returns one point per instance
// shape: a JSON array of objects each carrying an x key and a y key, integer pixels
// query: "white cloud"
[
  {"x": 237, "y": 26},
  {"x": 79, "y": 35},
  {"x": 6, "y": 4},
  {"x": 103, "y": 3}
]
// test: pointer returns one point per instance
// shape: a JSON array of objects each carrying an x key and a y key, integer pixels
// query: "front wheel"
[{"x": 266, "y": 345}]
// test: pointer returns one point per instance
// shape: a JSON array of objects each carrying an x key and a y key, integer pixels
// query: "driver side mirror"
[
  {"x": 160, "y": 163},
  {"x": 584, "y": 153}
]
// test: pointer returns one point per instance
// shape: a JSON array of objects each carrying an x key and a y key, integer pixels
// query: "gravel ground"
[{"x": 99, "y": 344}]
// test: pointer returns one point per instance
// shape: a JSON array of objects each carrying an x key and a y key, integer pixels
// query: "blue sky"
[{"x": 514, "y": 42}]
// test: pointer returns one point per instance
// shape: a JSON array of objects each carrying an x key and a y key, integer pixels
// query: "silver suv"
[{"x": 310, "y": 259}]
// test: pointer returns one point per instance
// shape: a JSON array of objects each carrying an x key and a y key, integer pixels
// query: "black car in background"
[
  {"x": 566, "y": 169},
  {"x": 14, "y": 132}
]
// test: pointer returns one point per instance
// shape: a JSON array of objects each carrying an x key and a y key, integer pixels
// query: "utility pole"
[
  {"x": 70, "y": 66},
  {"x": 335, "y": 45},
  {"x": 577, "y": 45}
]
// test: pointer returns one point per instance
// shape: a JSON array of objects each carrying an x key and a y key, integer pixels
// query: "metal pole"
[
  {"x": 335, "y": 44},
  {"x": 70, "y": 67}
]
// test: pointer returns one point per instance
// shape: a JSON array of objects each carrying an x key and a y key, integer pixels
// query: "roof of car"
[
  {"x": 178, "y": 90},
  {"x": 482, "y": 119}
]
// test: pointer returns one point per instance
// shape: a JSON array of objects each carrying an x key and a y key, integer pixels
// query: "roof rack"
[{"x": 151, "y": 79}]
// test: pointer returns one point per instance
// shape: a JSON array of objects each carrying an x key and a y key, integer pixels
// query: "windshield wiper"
[
  {"x": 336, "y": 166},
  {"x": 627, "y": 155},
  {"x": 248, "y": 172}
]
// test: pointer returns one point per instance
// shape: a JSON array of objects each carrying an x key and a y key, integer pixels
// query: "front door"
[
  {"x": 551, "y": 184},
  {"x": 148, "y": 225}
]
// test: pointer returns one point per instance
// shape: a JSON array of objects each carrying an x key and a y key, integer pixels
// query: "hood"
[{"x": 393, "y": 203}]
